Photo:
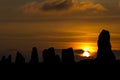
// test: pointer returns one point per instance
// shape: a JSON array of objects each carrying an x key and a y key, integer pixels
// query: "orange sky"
[
  {"x": 57, "y": 23},
  {"x": 59, "y": 34}
]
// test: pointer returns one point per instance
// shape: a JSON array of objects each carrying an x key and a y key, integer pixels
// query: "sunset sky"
[{"x": 57, "y": 23}]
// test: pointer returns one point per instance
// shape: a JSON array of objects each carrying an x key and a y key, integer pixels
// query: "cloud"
[
  {"x": 89, "y": 5},
  {"x": 80, "y": 51},
  {"x": 57, "y": 5},
  {"x": 49, "y": 7}
]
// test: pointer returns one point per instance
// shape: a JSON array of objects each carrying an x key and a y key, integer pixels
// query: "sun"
[
  {"x": 88, "y": 48},
  {"x": 86, "y": 54}
]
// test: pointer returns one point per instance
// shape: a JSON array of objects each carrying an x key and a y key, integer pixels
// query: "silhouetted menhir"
[
  {"x": 34, "y": 56},
  {"x": 104, "y": 53},
  {"x": 49, "y": 56},
  {"x": 19, "y": 58}
]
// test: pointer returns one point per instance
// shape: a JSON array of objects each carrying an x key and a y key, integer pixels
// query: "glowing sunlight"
[
  {"x": 86, "y": 54},
  {"x": 88, "y": 48},
  {"x": 88, "y": 51},
  {"x": 91, "y": 47}
]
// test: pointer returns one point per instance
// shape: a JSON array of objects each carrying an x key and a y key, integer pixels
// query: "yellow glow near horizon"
[
  {"x": 86, "y": 49},
  {"x": 89, "y": 51},
  {"x": 91, "y": 47}
]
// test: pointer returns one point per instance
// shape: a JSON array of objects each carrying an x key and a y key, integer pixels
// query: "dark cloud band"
[
  {"x": 57, "y": 5},
  {"x": 51, "y": 7}
]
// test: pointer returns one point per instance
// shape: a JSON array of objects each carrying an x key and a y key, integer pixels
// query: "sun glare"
[
  {"x": 88, "y": 48},
  {"x": 86, "y": 54}
]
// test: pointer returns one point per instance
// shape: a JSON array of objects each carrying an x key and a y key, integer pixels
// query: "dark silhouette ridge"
[
  {"x": 104, "y": 53},
  {"x": 45, "y": 56},
  {"x": 7, "y": 60},
  {"x": 49, "y": 56},
  {"x": 57, "y": 59},
  {"x": 34, "y": 57},
  {"x": 3, "y": 60},
  {"x": 51, "y": 52},
  {"x": 19, "y": 59},
  {"x": 68, "y": 56}
]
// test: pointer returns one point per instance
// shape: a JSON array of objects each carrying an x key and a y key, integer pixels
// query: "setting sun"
[
  {"x": 88, "y": 48},
  {"x": 86, "y": 54},
  {"x": 88, "y": 51}
]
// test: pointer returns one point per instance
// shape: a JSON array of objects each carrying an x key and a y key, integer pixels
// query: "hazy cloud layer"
[
  {"x": 48, "y": 7},
  {"x": 19, "y": 9},
  {"x": 91, "y": 7}
]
